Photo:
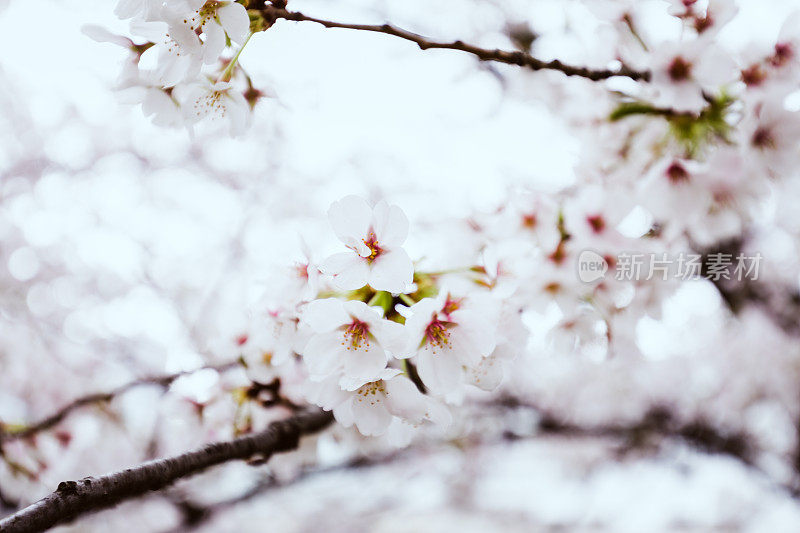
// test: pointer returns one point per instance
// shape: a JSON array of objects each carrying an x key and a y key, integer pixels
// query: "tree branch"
[
  {"x": 195, "y": 514},
  {"x": 73, "y": 499},
  {"x": 780, "y": 303},
  {"x": 272, "y": 13},
  {"x": 7, "y": 435},
  {"x": 657, "y": 423}
]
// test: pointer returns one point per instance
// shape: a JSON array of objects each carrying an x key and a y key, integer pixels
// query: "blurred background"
[{"x": 129, "y": 250}]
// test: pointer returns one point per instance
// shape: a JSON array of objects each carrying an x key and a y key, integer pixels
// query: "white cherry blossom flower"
[
  {"x": 672, "y": 186},
  {"x": 772, "y": 134},
  {"x": 447, "y": 335},
  {"x": 156, "y": 103},
  {"x": 218, "y": 19},
  {"x": 374, "y": 237},
  {"x": 219, "y": 102},
  {"x": 299, "y": 282},
  {"x": 177, "y": 53},
  {"x": 213, "y": 19},
  {"x": 786, "y": 56},
  {"x": 682, "y": 71},
  {"x": 349, "y": 336},
  {"x": 512, "y": 337},
  {"x": 372, "y": 406}
]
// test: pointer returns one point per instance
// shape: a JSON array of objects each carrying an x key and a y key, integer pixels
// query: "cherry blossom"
[
  {"x": 349, "y": 336},
  {"x": 773, "y": 133},
  {"x": 447, "y": 334},
  {"x": 373, "y": 405},
  {"x": 177, "y": 53},
  {"x": 221, "y": 102},
  {"x": 374, "y": 237},
  {"x": 682, "y": 71},
  {"x": 214, "y": 19}
]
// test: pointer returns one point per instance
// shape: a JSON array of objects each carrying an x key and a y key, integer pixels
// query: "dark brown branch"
[
  {"x": 519, "y": 58},
  {"x": 657, "y": 423},
  {"x": 73, "y": 499},
  {"x": 7, "y": 435},
  {"x": 644, "y": 434},
  {"x": 195, "y": 514},
  {"x": 780, "y": 303}
]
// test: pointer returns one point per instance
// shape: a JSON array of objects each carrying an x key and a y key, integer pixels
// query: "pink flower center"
[
  {"x": 677, "y": 174},
  {"x": 451, "y": 306},
  {"x": 762, "y": 138},
  {"x": 754, "y": 75},
  {"x": 679, "y": 70},
  {"x": 356, "y": 334},
  {"x": 375, "y": 250},
  {"x": 301, "y": 270},
  {"x": 597, "y": 223},
  {"x": 369, "y": 392},
  {"x": 701, "y": 24},
  {"x": 437, "y": 335},
  {"x": 783, "y": 53},
  {"x": 553, "y": 287},
  {"x": 529, "y": 220},
  {"x": 559, "y": 254}
]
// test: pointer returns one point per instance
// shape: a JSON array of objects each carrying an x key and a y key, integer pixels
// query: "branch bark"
[
  {"x": 272, "y": 13},
  {"x": 73, "y": 499},
  {"x": 780, "y": 303},
  {"x": 100, "y": 397}
]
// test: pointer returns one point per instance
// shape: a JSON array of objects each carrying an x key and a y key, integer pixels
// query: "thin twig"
[
  {"x": 522, "y": 59},
  {"x": 54, "y": 419}
]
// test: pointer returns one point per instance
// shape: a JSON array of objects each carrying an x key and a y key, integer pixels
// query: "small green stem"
[
  {"x": 407, "y": 299},
  {"x": 228, "y": 72},
  {"x": 629, "y": 22}
]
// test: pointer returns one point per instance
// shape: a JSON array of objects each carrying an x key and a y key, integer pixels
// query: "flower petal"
[
  {"x": 327, "y": 394},
  {"x": 235, "y": 21},
  {"x": 349, "y": 270},
  {"x": 325, "y": 315},
  {"x": 350, "y": 218},
  {"x": 214, "y": 43},
  {"x": 370, "y": 414},
  {"x": 487, "y": 374},
  {"x": 404, "y": 399},
  {"x": 365, "y": 362},
  {"x": 391, "y": 271},
  {"x": 440, "y": 372},
  {"x": 393, "y": 337},
  {"x": 343, "y": 413},
  {"x": 390, "y": 224},
  {"x": 322, "y": 354}
]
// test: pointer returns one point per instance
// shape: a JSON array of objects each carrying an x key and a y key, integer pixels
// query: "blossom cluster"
[
  {"x": 699, "y": 156},
  {"x": 180, "y": 69},
  {"x": 383, "y": 344}
]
